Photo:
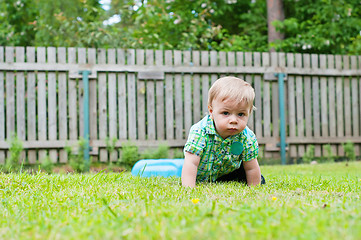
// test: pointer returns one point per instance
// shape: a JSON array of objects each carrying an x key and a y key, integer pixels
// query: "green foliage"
[
  {"x": 130, "y": 155},
  {"x": 76, "y": 160},
  {"x": 330, "y": 157},
  {"x": 110, "y": 144},
  {"x": 309, "y": 155},
  {"x": 161, "y": 152},
  {"x": 310, "y": 26},
  {"x": 178, "y": 153},
  {"x": 321, "y": 26},
  {"x": 13, "y": 161},
  {"x": 349, "y": 150},
  {"x": 47, "y": 165}
]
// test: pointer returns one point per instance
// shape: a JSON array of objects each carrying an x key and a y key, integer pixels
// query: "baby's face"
[{"x": 230, "y": 117}]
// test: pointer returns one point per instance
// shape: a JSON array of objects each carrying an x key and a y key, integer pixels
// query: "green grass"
[{"x": 299, "y": 202}]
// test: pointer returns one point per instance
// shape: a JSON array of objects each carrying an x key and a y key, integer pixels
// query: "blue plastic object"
[{"x": 158, "y": 167}]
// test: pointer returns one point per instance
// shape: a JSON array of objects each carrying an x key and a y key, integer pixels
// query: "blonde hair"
[{"x": 232, "y": 88}]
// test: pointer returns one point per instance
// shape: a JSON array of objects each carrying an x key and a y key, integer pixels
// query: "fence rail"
[{"x": 153, "y": 97}]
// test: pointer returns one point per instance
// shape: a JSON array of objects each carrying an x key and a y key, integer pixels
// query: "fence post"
[
  {"x": 281, "y": 77},
  {"x": 86, "y": 74}
]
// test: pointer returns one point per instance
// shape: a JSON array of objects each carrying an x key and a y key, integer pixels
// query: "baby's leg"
[{"x": 238, "y": 175}]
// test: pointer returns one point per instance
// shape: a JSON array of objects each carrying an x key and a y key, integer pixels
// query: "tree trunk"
[{"x": 274, "y": 12}]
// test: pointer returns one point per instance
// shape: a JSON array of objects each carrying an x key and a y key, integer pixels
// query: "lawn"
[{"x": 298, "y": 202}]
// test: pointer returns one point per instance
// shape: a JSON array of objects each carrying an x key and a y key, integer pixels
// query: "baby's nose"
[{"x": 233, "y": 119}]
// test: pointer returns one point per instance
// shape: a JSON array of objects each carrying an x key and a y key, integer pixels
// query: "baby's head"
[{"x": 232, "y": 88}]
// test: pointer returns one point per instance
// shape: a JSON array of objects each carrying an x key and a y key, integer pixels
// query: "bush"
[
  {"x": 130, "y": 155},
  {"x": 309, "y": 154},
  {"x": 330, "y": 157},
  {"x": 47, "y": 165},
  {"x": 349, "y": 149},
  {"x": 161, "y": 152},
  {"x": 12, "y": 162},
  {"x": 76, "y": 160}
]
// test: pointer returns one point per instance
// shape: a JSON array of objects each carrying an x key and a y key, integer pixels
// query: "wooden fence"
[{"x": 152, "y": 97}]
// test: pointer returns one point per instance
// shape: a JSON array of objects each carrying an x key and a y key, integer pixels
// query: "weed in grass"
[
  {"x": 161, "y": 152},
  {"x": 47, "y": 165},
  {"x": 130, "y": 155},
  {"x": 15, "y": 150},
  {"x": 330, "y": 157},
  {"x": 309, "y": 155},
  {"x": 76, "y": 160},
  {"x": 349, "y": 150}
]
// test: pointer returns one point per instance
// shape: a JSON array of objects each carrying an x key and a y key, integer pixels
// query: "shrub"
[
  {"x": 330, "y": 157},
  {"x": 76, "y": 160},
  {"x": 47, "y": 165},
  {"x": 309, "y": 154},
  {"x": 130, "y": 155},
  {"x": 178, "y": 153},
  {"x": 12, "y": 162},
  {"x": 349, "y": 149},
  {"x": 161, "y": 152}
]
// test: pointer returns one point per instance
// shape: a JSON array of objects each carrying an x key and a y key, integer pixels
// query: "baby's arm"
[
  {"x": 253, "y": 172},
  {"x": 189, "y": 171}
]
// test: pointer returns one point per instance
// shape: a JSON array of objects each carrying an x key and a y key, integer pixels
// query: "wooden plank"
[
  {"x": 249, "y": 79},
  {"x": 159, "y": 98},
  {"x": 31, "y": 105},
  {"x": 63, "y": 102},
  {"x": 150, "y": 99},
  {"x": 291, "y": 106},
  {"x": 316, "y": 104},
  {"x": 275, "y": 100},
  {"x": 332, "y": 101},
  {"x": 222, "y": 63},
  {"x": 214, "y": 63},
  {"x": 169, "y": 106},
  {"x": 132, "y": 118},
  {"x": 347, "y": 98},
  {"x": 339, "y": 104},
  {"x": 187, "y": 94},
  {"x": 141, "y": 95},
  {"x": 93, "y": 101},
  {"x": 81, "y": 60},
  {"x": 112, "y": 103},
  {"x": 196, "y": 90},
  {"x": 324, "y": 108},
  {"x": 10, "y": 95},
  {"x": 52, "y": 104},
  {"x": 122, "y": 100},
  {"x": 258, "y": 98},
  {"x": 178, "y": 98},
  {"x": 299, "y": 105},
  {"x": 42, "y": 109},
  {"x": 20, "y": 100},
  {"x": 2, "y": 103},
  {"x": 103, "y": 119},
  {"x": 355, "y": 105},
  {"x": 307, "y": 97},
  {"x": 205, "y": 83},
  {"x": 266, "y": 100},
  {"x": 73, "y": 102}
]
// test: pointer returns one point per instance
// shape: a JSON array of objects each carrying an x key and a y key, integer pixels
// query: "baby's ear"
[{"x": 210, "y": 111}]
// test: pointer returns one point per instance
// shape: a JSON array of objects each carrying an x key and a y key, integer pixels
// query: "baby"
[{"x": 221, "y": 147}]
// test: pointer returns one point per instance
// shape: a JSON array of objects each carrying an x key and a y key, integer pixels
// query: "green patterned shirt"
[{"x": 219, "y": 156}]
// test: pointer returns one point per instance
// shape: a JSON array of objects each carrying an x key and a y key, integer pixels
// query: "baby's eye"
[
  {"x": 225, "y": 113},
  {"x": 241, "y": 114}
]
